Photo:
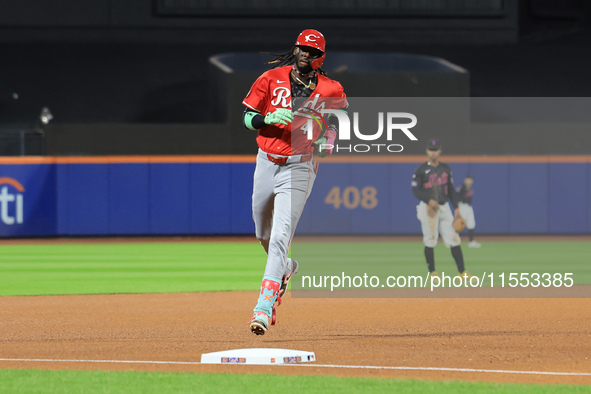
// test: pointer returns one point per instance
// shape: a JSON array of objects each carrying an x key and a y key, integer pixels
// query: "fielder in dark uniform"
[
  {"x": 466, "y": 194},
  {"x": 432, "y": 184}
]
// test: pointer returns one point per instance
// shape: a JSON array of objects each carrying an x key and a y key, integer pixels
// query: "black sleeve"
[
  {"x": 417, "y": 187},
  {"x": 451, "y": 190},
  {"x": 462, "y": 194},
  {"x": 258, "y": 121},
  {"x": 333, "y": 121}
]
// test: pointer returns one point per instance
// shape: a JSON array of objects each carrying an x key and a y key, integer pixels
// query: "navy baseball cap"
[{"x": 433, "y": 144}]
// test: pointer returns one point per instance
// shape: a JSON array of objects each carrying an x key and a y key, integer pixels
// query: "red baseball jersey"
[{"x": 272, "y": 90}]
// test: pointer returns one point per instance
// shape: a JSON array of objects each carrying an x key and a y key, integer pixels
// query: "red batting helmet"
[{"x": 314, "y": 39}]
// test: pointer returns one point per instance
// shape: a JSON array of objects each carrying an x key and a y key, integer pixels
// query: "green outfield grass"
[
  {"x": 496, "y": 261},
  {"x": 196, "y": 267},
  {"x": 130, "y": 268},
  {"x": 107, "y": 268},
  {"x": 38, "y": 381}
]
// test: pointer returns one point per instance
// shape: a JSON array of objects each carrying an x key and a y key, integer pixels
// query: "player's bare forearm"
[
  {"x": 433, "y": 205},
  {"x": 432, "y": 208}
]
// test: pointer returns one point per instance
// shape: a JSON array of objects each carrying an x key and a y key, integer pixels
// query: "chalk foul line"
[
  {"x": 443, "y": 369},
  {"x": 307, "y": 365}
]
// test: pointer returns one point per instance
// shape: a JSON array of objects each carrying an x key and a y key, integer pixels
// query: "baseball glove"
[{"x": 459, "y": 224}]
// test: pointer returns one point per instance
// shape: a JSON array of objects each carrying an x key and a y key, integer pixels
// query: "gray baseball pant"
[{"x": 279, "y": 195}]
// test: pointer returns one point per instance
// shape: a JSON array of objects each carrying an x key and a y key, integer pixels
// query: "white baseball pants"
[
  {"x": 467, "y": 213},
  {"x": 438, "y": 224}
]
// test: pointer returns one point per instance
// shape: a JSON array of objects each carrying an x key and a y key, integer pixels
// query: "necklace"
[{"x": 310, "y": 86}]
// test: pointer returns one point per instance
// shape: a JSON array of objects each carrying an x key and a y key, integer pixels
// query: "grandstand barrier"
[{"x": 188, "y": 195}]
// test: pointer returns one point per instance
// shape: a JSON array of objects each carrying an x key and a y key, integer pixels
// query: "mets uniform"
[
  {"x": 436, "y": 183},
  {"x": 465, "y": 205},
  {"x": 466, "y": 193},
  {"x": 432, "y": 185}
]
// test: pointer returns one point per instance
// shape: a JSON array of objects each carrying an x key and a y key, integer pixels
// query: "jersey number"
[
  {"x": 308, "y": 128},
  {"x": 351, "y": 197}
]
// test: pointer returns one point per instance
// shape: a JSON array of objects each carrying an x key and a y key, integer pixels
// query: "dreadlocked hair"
[{"x": 286, "y": 59}]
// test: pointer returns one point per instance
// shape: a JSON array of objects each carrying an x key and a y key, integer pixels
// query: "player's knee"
[
  {"x": 430, "y": 243},
  {"x": 455, "y": 241}
]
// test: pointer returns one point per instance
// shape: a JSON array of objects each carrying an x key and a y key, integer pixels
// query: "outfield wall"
[{"x": 158, "y": 195}]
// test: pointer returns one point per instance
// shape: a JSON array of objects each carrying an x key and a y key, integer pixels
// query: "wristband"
[
  {"x": 331, "y": 135},
  {"x": 251, "y": 121}
]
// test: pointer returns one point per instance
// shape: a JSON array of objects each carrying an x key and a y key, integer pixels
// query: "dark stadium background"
[{"x": 139, "y": 71}]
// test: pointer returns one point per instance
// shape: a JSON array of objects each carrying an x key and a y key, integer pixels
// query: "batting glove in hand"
[
  {"x": 281, "y": 115},
  {"x": 320, "y": 147},
  {"x": 324, "y": 146}
]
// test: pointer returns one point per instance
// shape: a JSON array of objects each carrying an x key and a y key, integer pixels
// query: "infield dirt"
[{"x": 493, "y": 334}]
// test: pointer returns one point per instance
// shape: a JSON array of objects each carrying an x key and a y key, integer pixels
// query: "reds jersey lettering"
[
  {"x": 272, "y": 90},
  {"x": 281, "y": 95},
  {"x": 313, "y": 104}
]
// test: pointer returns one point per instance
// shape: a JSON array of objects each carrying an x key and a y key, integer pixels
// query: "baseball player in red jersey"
[{"x": 278, "y": 105}]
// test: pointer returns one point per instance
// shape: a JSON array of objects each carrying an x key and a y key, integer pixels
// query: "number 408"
[{"x": 351, "y": 197}]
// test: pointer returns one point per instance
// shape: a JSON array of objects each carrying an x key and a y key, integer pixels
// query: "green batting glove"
[
  {"x": 320, "y": 147},
  {"x": 281, "y": 115}
]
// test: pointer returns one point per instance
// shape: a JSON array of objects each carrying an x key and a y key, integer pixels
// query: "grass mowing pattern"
[
  {"x": 192, "y": 267},
  {"x": 384, "y": 259},
  {"x": 197, "y": 267},
  {"x": 124, "y": 382},
  {"x": 130, "y": 268}
]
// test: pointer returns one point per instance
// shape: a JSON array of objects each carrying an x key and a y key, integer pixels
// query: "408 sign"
[{"x": 351, "y": 197}]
